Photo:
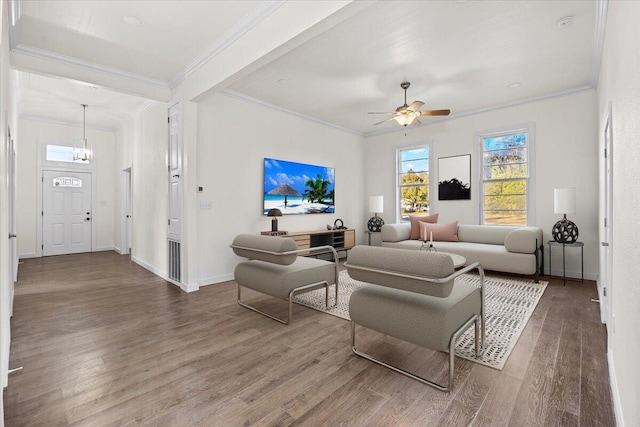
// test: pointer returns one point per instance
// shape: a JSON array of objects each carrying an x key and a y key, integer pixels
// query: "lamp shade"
[
  {"x": 564, "y": 200},
  {"x": 274, "y": 212},
  {"x": 376, "y": 204}
]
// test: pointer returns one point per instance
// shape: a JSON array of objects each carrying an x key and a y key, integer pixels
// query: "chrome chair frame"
[
  {"x": 479, "y": 323},
  {"x": 301, "y": 289}
]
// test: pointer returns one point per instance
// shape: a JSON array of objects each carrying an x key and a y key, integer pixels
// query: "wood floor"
[{"x": 105, "y": 342}]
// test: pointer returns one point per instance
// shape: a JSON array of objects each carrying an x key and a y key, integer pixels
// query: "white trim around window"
[
  {"x": 398, "y": 169},
  {"x": 529, "y": 130}
]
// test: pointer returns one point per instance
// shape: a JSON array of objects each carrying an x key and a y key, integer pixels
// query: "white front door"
[{"x": 66, "y": 212}]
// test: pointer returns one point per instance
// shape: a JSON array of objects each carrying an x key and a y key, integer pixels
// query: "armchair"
[
  {"x": 414, "y": 297},
  {"x": 274, "y": 268}
]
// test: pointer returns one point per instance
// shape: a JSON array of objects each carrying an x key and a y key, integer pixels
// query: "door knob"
[
  {"x": 604, "y": 243},
  {"x": 88, "y": 219},
  {"x": 11, "y": 235},
  {"x": 88, "y": 213}
]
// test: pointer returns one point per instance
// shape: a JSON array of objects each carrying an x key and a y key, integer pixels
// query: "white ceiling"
[{"x": 461, "y": 55}]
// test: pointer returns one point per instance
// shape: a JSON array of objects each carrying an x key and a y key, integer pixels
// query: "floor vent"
[{"x": 174, "y": 260}]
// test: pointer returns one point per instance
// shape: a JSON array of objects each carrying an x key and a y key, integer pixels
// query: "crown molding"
[
  {"x": 262, "y": 11},
  {"x": 484, "y": 110},
  {"x": 238, "y": 95},
  {"x": 63, "y": 123},
  {"x": 144, "y": 106},
  {"x": 598, "y": 45}
]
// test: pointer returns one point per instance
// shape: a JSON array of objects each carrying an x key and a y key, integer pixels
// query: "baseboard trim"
[
  {"x": 572, "y": 274},
  {"x": 185, "y": 287},
  {"x": 615, "y": 395},
  {"x": 105, "y": 248},
  {"x": 215, "y": 280},
  {"x": 29, "y": 255},
  {"x": 149, "y": 267}
]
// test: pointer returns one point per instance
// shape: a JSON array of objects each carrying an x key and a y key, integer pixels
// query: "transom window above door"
[{"x": 62, "y": 153}]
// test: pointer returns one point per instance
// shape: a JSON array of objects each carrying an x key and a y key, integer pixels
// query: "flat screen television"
[{"x": 298, "y": 188}]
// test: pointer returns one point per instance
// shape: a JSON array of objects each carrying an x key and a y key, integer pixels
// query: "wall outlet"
[{"x": 205, "y": 205}]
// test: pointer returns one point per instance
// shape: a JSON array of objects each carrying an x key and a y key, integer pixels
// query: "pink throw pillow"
[
  {"x": 415, "y": 224},
  {"x": 439, "y": 232}
]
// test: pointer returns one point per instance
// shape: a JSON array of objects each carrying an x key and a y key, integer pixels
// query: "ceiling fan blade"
[
  {"x": 434, "y": 112},
  {"x": 387, "y": 113},
  {"x": 415, "y": 105},
  {"x": 386, "y": 120}
]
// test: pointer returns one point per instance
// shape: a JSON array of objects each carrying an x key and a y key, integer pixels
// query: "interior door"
[
  {"x": 174, "y": 231},
  {"x": 606, "y": 244},
  {"x": 66, "y": 212},
  {"x": 13, "y": 246}
]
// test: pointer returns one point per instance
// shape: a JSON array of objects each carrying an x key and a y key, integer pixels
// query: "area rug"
[{"x": 509, "y": 303}]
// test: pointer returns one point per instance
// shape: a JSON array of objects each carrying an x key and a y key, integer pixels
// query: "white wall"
[
  {"x": 149, "y": 186},
  {"x": 7, "y": 118},
  {"x": 28, "y": 218},
  {"x": 620, "y": 84},
  {"x": 234, "y": 137},
  {"x": 565, "y": 156}
]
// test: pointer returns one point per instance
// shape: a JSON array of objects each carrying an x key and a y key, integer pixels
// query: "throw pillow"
[
  {"x": 439, "y": 232},
  {"x": 415, "y": 224}
]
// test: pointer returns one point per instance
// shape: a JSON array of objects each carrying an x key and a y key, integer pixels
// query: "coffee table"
[{"x": 458, "y": 260}]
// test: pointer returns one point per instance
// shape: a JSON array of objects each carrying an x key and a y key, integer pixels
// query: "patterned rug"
[{"x": 509, "y": 302}]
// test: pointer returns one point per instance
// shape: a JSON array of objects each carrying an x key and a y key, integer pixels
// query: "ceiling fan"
[{"x": 408, "y": 114}]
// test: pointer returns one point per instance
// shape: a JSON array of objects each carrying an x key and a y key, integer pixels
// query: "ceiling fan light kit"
[{"x": 406, "y": 115}]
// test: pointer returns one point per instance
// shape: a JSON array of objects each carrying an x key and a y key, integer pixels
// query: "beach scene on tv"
[{"x": 298, "y": 188}]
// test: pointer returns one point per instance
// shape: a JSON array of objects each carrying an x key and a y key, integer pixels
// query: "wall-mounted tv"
[{"x": 298, "y": 188}]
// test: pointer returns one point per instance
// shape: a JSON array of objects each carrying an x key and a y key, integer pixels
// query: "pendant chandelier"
[{"x": 81, "y": 149}]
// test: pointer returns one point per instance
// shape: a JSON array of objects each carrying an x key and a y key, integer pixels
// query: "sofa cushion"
[
  {"x": 439, "y": 232},
  {"x": 492, "y": 234},
  {"x": 415, "y": 224},
  {"x": 521, "y": 240},
  {"x": 491, "y": 257},
  {"x": 396, "y": 232}
]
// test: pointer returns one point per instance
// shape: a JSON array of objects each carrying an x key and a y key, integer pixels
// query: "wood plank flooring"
[{"x": 105, "y": 342}]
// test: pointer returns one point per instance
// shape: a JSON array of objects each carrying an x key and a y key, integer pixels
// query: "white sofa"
[{"x": 509, "y": 249}]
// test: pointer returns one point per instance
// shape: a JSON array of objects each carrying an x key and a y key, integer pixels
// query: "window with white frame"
[
  {"x": 505, "y": 182},
  {"x": 61, "y": 153},
  {"x": 413, "y": 181}
]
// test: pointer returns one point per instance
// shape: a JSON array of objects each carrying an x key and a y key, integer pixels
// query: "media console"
[{"x": 341, "y": 240}]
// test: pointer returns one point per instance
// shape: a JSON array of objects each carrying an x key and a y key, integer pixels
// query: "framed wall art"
[{"x": 454, "y": 177}]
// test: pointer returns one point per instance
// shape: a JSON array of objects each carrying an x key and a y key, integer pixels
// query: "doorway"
[
  {"x": 66, "y": 212},
  {"x": 127, "y": 213},
  {"x": 606, "y": 248}
]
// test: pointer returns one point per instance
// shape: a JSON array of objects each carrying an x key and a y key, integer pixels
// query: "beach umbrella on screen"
[{"x": 284, "y": 190}]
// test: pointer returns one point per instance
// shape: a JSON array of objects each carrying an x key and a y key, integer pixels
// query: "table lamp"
[
  {"x": 376, "y": 204},
  {"x": 275, "y": 213},
  {"x": 564, "y": 202}
]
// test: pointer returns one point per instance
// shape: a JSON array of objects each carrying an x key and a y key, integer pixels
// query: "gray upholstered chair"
[
  {"x": 274, "y": 268},
  {"x": 414, "y": 296}
]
